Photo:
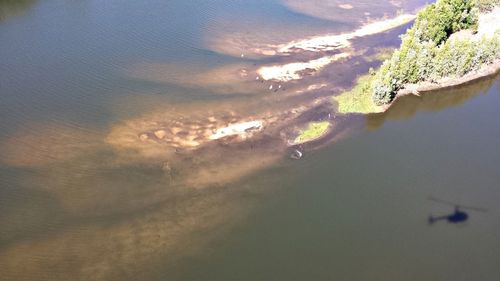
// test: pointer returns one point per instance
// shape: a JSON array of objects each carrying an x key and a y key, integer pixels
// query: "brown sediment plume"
[
  {"x": 43, "y": 144},
  {"x": 257, "y": 38},
  {"x": 153, "y": 187},
  {"x": 128, "y": 245},
  {"x": 239, "y": 44},
  {"x": 134, "y": 201},
  {"x": 227, "y": 79},
  {"x": 125, "y": 211},
  {"x": 185, "y": 130}
]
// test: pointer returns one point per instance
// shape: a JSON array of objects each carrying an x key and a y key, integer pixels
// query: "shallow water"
[{"x": 81, "y": 197}]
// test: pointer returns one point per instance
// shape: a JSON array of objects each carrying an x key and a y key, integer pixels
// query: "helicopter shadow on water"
[{"x": 459, "y": 215}]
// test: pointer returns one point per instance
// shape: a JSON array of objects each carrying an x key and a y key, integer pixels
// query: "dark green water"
[{"x": 73, "y": 206}]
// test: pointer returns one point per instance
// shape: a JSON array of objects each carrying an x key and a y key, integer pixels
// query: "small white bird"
[{"x": 271, "y": 87}]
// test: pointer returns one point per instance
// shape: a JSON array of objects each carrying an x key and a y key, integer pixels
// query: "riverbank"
[
  {"x": 449, "y": 40},
  {"x": 488, "y": 27},
  {"x": 432, "y": 59},
  {"x": 449, "y": 82}
]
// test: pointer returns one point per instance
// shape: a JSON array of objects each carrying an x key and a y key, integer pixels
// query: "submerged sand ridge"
[
  {"x": 338, "y": 41},
  {"x": 194, "y": 131},
  {"x": 152, "y": 133},
  {"x": 317, "y": 43}
]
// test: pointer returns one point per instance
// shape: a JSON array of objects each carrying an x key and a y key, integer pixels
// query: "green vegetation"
[
  {"x": 359, "y": 99},
  {"x": 425, "y": 53},
  {"x": 313, "y": 131},
  {"x": 438, "y": 21}
]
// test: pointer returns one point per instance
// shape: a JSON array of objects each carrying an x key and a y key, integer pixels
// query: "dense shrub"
[
  {"x": 437, "y": 21},
  {"x": 426, "y": 54}
]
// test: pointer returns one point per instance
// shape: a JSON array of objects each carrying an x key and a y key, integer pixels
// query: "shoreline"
[
  {"x": 487, "y": 28},
  {"x": 486, "y": 71}
]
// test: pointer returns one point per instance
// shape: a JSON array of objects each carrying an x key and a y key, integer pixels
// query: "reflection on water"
[{"x": 408, "y": 106}]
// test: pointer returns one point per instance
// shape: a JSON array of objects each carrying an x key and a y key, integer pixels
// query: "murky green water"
[{"x": 81, "y": 200}]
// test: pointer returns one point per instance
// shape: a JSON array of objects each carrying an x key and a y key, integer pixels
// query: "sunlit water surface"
[{"x": 80, "y": 201}]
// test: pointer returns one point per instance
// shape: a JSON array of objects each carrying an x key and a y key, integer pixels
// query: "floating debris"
[{"x": 296, "y": 154}]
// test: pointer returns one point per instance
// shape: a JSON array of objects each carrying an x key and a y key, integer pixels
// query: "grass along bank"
[
  {"x": 450, "y": 43},
  {"x": 358, "y": 99}
]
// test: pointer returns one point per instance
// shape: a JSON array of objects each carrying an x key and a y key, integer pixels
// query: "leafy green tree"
[{"x": 426, "y": 54}]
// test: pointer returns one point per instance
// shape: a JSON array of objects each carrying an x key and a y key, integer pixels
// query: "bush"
[{"x": 438, "y": 21}]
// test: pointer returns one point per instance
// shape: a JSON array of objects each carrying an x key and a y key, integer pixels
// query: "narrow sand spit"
[
  {"x": 337, "y": 41},
  {"x": 252, "y": 46},
  {"x": 296, "y": 70}
]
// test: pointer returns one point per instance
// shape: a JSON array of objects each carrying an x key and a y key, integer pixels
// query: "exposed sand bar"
[
  {"x": 332, "y": 42},
  {"x": 294, "y": 71},
  {"x": 265, "y": 42},
  {"x": 239, "y": 129}
]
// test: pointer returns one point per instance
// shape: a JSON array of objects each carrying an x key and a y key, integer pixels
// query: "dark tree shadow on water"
[{"x": 408, "y": 106}]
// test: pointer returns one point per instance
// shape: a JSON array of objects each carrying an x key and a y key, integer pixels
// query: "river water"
[{"x": 83, "y": 198}]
